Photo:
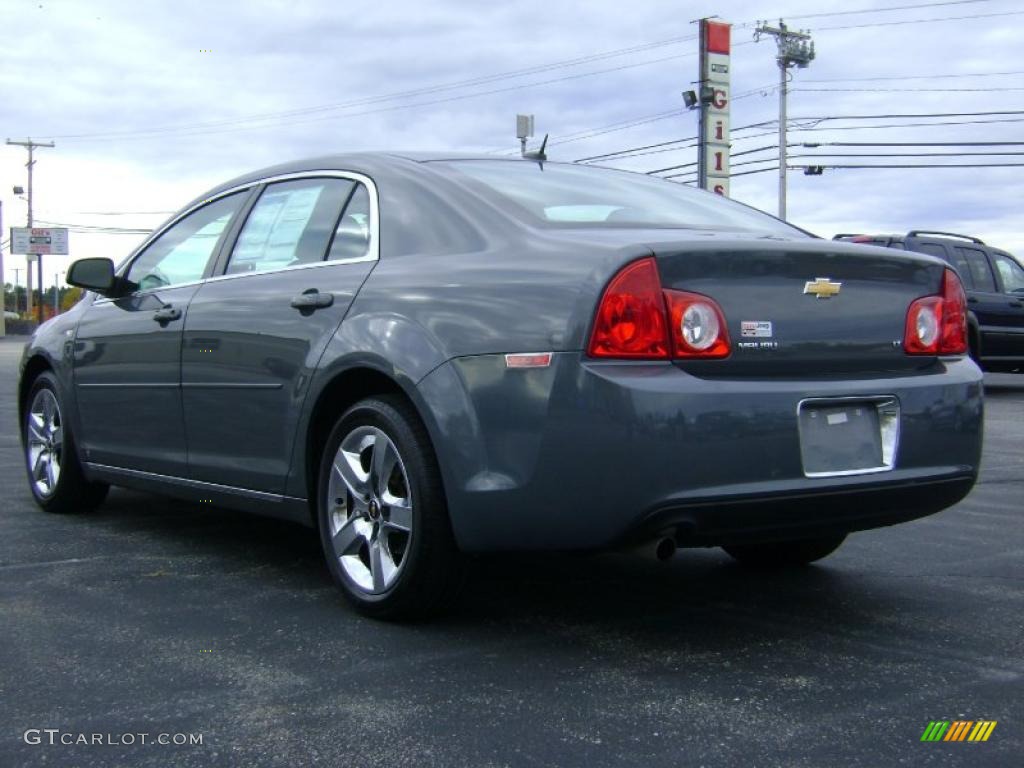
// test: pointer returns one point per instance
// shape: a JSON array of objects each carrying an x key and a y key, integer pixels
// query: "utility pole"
[
  {"x": 31, "y": 146},
  {"x": 17, "y": 283},
  {"x": 56, "y": 294},
  {"x": 796, "y": 49}
]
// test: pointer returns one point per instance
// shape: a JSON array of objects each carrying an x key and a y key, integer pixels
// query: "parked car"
[
  {"x": 8, "y": 315},
  {"x": 994, "y": 282},
  {"x": 424, "y": 356}
]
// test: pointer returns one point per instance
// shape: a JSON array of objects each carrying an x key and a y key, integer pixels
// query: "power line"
[
  {"x": 196, "y": 132},
  {"x": 648, "y": 146},
  {"x": 597, "y": 131},
  {"x": 917, "y": 165},
  {"x": 771, "y": 87},
  {"x": 426, "y": 90},
  {"x": 238, "y": 123},
  {"x": 850, "y": 155},
  {"x": 823, "y": 155},
  {"x": 731, "y": 175},
  {"x": 734, "y": 154},
  {"x": 904, "y": 90},
  {"x": 920, "y": 21},
  {"x": 890, "y": 8},
  {"x": 95, "y": 229},
  {"x": 911, "y": 77},
  {"x": 902, "y": 125},
  {"x": 124, "y": 213},
  {"x": 588, "y": 134},
  {"x": 829, "y": 165},
  {"x": 638, "y": 151},
  {"x": 911, "y": 144},
  {"x": 900, "y": 115}
]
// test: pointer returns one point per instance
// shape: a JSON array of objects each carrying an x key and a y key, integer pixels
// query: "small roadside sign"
[{"x": 39, "y": 240}]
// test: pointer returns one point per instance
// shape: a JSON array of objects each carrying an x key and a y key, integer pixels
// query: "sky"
[{"x": 150, "y": 103}]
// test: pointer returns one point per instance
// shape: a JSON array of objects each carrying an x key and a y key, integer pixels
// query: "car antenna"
[{"x": 538, "y": 154}]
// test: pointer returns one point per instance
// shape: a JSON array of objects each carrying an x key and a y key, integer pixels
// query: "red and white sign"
[
  {"x": 37, "y": 240},
  {"x": 714, "y": 74}
]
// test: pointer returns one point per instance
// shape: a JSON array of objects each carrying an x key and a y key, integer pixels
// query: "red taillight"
[
  {"x": 631, "y": 316},
  {"x": 937, "y": 325},
  {"x": 636, "y": 319}
]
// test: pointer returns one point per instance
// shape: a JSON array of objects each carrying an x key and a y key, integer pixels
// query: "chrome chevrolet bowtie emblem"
[{"x": 822, "y": 287}]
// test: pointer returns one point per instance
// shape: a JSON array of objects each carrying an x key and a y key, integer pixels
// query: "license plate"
[{"x": 848, "y": 437}]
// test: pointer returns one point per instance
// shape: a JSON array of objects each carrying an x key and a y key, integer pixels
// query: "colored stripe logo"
[{"x": 959, "y": 730}]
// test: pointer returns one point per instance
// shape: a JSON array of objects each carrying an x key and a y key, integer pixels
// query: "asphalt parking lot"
[{"x": 157, "y": 616}]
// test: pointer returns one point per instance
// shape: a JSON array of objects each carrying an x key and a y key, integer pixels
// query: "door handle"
[
  {"x": 312, "y": 299},
  {"x": 971, "y": 300},
  {"x": 1016, "y": 304},
  {"x": 166, "y": 314}
]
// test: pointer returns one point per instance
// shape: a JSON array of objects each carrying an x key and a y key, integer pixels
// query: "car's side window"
[
  {"x": 951, "y": 257},
  {"x": 932, "y": 249},
  {"x": 292, "y": 223},
  {"x": 182, "y": 253},
  {"x": 352, "y": 236},
  {"x": 1011, "y": 273},
  {"x": 959, "y": 261},
  {"x": 981, "y": 273}
]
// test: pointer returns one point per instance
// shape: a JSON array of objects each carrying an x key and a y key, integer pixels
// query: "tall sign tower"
[{"x": 713, "y": 160}]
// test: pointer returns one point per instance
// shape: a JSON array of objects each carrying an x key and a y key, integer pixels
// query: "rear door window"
[
  {"x": 959, "y": 261},
  {"x": 291, "y": 224},
  {"x": 981, "y": 272},
  {"x": 352, "y": 235}
]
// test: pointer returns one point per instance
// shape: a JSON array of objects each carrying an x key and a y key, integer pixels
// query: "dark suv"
[{"x": 994, "y": 282}]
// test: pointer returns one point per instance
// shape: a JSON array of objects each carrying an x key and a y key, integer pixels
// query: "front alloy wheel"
[
  {"x": 44, "y": 443},
  {"x": 55, "y": 476},
  {"x": 382, "y": 514}
]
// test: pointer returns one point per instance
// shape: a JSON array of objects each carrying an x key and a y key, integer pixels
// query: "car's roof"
[{"x": 368, "y": 163}]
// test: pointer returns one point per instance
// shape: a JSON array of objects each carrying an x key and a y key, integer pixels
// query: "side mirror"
[{"x": 93, "y": 275}]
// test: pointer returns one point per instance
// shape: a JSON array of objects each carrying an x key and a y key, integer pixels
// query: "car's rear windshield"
[{"x": 559, "y": 194}]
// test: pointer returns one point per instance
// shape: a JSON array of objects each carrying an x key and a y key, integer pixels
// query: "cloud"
[{"x": 74, "y": 70}]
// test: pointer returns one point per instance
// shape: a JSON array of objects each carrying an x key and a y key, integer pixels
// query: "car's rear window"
[{"x": 560, "y": 194}]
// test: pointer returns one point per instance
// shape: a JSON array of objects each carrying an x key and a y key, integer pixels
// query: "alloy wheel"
[
  {"x": 44, "y": 442},
  {"x": 370, "y": 509}
]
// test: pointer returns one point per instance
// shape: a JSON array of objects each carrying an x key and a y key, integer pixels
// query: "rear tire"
[
  {"x": 55, "y": 475},
  {"x": 784, "y": 554},
  {"x": 973, "y": 348},
  {"x": 382, "y": 513}
]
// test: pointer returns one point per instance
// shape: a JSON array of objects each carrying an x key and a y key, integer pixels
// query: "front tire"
[
  {"x": 382, "y": 514},
  {"x": 55, "y": 475},
  {"x": 784, "y": 554}
]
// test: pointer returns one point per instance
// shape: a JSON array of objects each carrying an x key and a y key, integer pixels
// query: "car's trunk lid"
[{"x": 800, "y": 308}]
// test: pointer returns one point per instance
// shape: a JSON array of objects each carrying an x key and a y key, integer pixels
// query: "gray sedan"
[{"x": 429, "y": 356}]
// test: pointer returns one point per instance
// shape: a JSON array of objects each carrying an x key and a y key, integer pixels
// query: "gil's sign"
[
  {"x": 714, "y": 129},
  {"x": 38, "y": 240}
]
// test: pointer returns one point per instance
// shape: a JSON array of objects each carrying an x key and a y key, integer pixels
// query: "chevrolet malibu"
[{"x": 428, "y": 356}]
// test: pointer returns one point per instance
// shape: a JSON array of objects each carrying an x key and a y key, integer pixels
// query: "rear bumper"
[
  {"x": 588, "y": 455},
  {"x": 803, "y": 514}
]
